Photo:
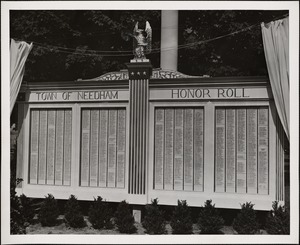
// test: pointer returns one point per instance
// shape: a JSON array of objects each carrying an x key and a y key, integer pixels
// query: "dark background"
[{"x": 72, "y": 44}]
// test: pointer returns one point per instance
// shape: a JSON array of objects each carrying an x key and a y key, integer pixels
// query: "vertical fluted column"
[{"x": 139, "y": 74}]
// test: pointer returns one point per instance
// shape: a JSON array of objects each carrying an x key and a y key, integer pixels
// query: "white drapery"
[
  {"x": 276, "y": 46},
  {"x": 19, "y": 52}
]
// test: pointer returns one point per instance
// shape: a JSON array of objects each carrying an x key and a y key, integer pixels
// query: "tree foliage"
[
  {"x": 210, "y": 221},
  {"x": 154, "y": 221},
  {"x": 124, "y": 218},
  {"x": 100, "y": 214},
  {"x": 49, "y": 211},
  {"x": 278, "y": 220},
  {"x": 79, "y": 31},
  {"x": 181, "y": 221},
  {"x": 246, "y": 222},
  {"x": 73, "y": 215}
]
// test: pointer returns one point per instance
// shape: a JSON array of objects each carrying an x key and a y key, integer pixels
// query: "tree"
[
  {"x": 210, "y": 221},
  {"x": 246, "y": 222},
  {"x": 49, "y": 211},
  {"x": 124, "y": 218},
  {"x": 62, "y": 40},
  {"x": 241, "y": 54},
  {"x": 77, "y": 31},
  {"x": 154, "y": 221},
  {"x": 73, "y": 215},
  {"x": 278, "y": 220},
  {"x": 181, "y": 221},
  {"x": 100, "y": 214}
]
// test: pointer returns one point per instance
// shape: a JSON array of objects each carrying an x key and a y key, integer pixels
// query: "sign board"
[{"x": 197, "y": 93}]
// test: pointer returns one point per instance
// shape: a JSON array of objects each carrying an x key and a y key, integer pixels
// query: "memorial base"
[{"x": 137, "y": 213}]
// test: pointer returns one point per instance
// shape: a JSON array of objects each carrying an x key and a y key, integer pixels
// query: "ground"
[{"x": 62, "y": 228}]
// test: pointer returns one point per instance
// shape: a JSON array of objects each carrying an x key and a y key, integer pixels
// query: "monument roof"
[{"x": 157, "y": 73}]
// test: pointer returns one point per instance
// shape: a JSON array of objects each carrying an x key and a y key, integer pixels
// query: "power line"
[{"x": 115, "y": 53}]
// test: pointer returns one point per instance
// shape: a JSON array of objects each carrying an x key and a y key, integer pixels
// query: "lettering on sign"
[
  {"x": 79, "y": 95},
  {"x": 208, "y": 93}
]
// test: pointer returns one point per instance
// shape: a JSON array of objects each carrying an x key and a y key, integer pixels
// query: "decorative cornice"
[{"x": 156, "y": 74}]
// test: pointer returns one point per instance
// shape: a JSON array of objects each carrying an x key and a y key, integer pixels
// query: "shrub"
[
  {"x": 154, "y": 222},
  {"x": 73, "y": 215},
  {"x": 278, "y": 220},
  {"x": 100, "y": 215},
  {"x": 124, "y": 218},
  {"x": 27, "y": 208},
  {"x": 49, "y": 211},
  {"x": 17, "y": 219},
  {"x": 210, "y": 221},
  {"x": 245, "y": 222},
  {"x": 181, "y": 221}
]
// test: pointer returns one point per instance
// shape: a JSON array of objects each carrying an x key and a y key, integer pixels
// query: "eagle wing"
[
  {"x": 148, "y": 30},
  {"x": 134, "y": 36}
]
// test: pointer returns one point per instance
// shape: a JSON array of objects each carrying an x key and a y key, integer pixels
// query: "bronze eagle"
[{"x": 142, "y": 41}]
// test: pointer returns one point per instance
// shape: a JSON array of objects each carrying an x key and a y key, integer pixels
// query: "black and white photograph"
[{"x": 149, "y": 122}]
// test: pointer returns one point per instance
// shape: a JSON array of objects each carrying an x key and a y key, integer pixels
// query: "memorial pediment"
[{"x": 156, "y": 74}]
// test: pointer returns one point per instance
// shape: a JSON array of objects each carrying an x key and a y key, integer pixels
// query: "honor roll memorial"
[{"x": 143, "y": 133}]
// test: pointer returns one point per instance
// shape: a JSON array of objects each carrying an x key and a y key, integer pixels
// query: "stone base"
[
  {"x": 137, "y": 214},
  {"x": 139, "y": 60}
]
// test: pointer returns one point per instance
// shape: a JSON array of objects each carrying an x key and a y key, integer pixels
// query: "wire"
[{"x": 115, "y": 53}]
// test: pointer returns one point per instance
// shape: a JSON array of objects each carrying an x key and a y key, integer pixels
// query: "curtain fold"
[
  {"x": 19, "y": 52},
  {"x": 276, "y": 47}
]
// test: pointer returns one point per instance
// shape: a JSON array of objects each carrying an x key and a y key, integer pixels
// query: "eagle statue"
[{"x": 142, "y": 41}]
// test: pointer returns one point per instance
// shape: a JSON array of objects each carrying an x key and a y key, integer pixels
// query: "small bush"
[
  {"x": 73, "y": 215},
  {"x": 154, "y": 222},
  {"x": 210, "y": 221},
  {"x": 245, "y": 222},
  {"x": 124, "y": 218},
  {"x": 27, "y": 209},
  {"x": 278, "y": 220},
  {"x": 17, "y": 219},
  {"x": 181, "y": 221},
  {"x": 49, "y": 211},
  {"x": 100, "y": 215}
]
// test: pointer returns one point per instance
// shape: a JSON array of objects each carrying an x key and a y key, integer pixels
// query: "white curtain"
[
  {"x": 276, "y": 46},
  {"x": 19, "y": 52}
]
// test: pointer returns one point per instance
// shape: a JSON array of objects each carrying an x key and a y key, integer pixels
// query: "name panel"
[
  {"x": 103, "y": 141},
  {"x": 78, "y": 96},
  {"x": 178, "y": 149},
  {"x": 50, "y": 146}
]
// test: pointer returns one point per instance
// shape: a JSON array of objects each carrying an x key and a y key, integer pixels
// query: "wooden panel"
[
  {"x": 51, "y": 146},
  {"x": 121, "y": 148},
  {"x": 59, "y": 147},
  {"x": 34, "y": 146},
  {"x": 198, "y": 149},
  {"x": 94, "y": 147},
  {"x": 159, "y": 148},
  {"x": 178, "y": 150},
  {"x": 67, "y": 147},
  {"x": 85, "y": 147},
  {"x": 263, "y": 152},
  {"x": 252, "y": 151},
  {"x": 169, "y": 149},
  {"x": 188, "y": 150},
  {"x": 241, "y": 150},
  {"x": 43, "y": 136},
  {"x": 112, "y": 148},
  {"x": 230, "y": 150},
  {"x": 220, "y": 151},
  {"x": 103, "y": 148}
]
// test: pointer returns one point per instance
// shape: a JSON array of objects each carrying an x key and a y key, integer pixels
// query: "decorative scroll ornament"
[
  {"x": 142, "y": 41},
  {"x": 156, "y": 74}
]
